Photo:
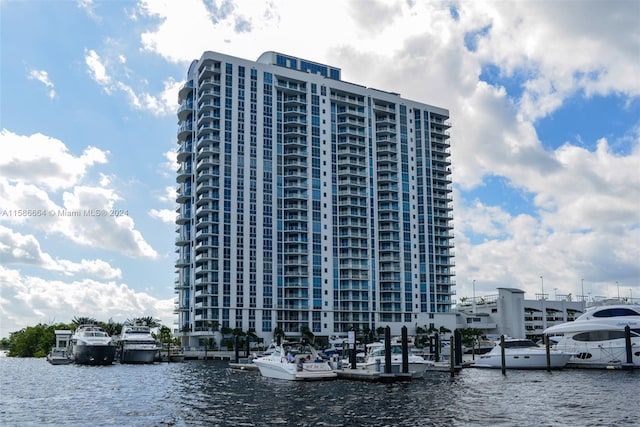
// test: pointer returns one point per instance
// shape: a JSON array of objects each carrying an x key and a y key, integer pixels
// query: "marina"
[{"x": 199, "y": 393}]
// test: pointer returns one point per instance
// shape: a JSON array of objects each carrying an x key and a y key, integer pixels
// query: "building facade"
[
  {"x": 509, "y": 313},
  {"x": 305, "y": 201}
]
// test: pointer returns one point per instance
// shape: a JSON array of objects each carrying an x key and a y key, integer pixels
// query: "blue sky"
[{"x": 543, "y": 97}]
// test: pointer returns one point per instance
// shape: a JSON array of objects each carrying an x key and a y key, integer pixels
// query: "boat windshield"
[
  {"x": 616, "y": 312},
  {"x": 599, "y": 335},
  {"x": 519, "y": 344},
  {"x": 95, "y": 334},
  {"x": 380, "y": 351}
]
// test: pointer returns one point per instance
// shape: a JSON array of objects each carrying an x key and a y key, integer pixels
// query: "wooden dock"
[{"x": 370, "y": 376}]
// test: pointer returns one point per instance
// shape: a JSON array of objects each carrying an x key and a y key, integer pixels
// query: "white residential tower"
[{"x": 307, "y": 201}]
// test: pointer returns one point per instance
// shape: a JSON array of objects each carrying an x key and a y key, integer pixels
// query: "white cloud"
[
  {"x": 165, "y": 215},
  {"x": 20, "y": 249},
  {"x": 26, "y": 300},
  {"x": 164, "y": 103},
  {"x": 39, "y": 159},
  {"x": 43, "y": 77},
  {"x": 88, "y": 6},
  {"x": 32, "y": 166}
]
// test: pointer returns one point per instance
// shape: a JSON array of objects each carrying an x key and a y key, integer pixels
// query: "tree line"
[{"x": 37, "y": 341}]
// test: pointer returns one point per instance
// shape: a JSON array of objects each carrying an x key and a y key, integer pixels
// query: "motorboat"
[
  {"x": 480, "y": 347},
  {"x": 91, "y": 345},
  {"x": 175, "y": 354},
  {"x": 375, "y": 360},
  {"x": 295, "y": 362},
  {"x": 522, "y": 354},
  {"x": 59, "y": 356},
  {"x": 136, "y": 344},
  {"x": 596, "y": 339}
]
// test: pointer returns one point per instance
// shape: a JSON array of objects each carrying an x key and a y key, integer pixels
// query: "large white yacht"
[
  {"x": 596, "y": 339},
  {"x": 522, "y": 354},
  {"x": 136, "y": 344},
  {"x": 294, "y": 361},
  {"x": 91, "y": 345}
]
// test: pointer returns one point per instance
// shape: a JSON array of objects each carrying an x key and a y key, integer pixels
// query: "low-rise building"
[{"x": 509, "y": 313}]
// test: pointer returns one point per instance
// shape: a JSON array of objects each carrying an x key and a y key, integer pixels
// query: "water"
[{"x": 199, "y": 393}]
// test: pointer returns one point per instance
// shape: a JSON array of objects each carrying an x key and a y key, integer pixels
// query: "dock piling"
[
  {"x": 405, "y": 351},
  {"x": 502, "y": 356},
  {"x": 548, "y": 349}
]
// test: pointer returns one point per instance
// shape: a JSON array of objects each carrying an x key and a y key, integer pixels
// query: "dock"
[{"x": 371, "y": 376}]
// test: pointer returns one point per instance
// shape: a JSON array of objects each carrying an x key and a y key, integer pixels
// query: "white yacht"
[
  {"x": 91, "y": 345},
  {"x": 596, "y": 339},
  {"x": 522, "y": 354},
  {"x": 136, "y": 344},
  {"x": 294, "y": 361}
]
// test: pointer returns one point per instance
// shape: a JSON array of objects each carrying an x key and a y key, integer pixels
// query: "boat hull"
[
  {"x": 279, "y": 368},
  {"x": 523, "y": 361},
  {"x": 601, "y": 355},
  {"x": 138, "y": 355},
  {"x": 94, "y": 354},
  {"x": 59, "y": 357}
]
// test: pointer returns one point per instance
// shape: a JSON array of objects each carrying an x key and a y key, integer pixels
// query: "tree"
[
  {"x": 306, "y": 332},
  {"x": 150, "y": 321},
  {"x": 278, "y": 331},
  {"x": 77, "y": 321},
  {"x": 33, "y": 341},
  {"x": 112, "y": 328},
  {"x": 164, "y": 336},
  {"x": 470, "y": 336}
]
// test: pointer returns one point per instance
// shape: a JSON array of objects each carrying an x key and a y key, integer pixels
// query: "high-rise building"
[{"x": 305, "y": 201}]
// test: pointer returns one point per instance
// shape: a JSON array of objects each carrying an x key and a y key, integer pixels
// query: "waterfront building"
[
  {"x": 305, "y": 201},
  {"x": 509, "y": 313}
]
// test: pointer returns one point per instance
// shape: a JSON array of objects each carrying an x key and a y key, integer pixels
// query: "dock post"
[
  {"x": 247, "y": 346},
  {"x": 452, "y": 356},
  {"x": 437, "y": 345},
  {"x": 627, "y": 345},
  {"x": 236, "y": 348},
  {"x": 352, "y": 350},
  {"x": 405, "y": 351},
  {"x": 387, "y": 350},
  {"x": 458, "y": 349},
  {"x": 502, "y": 356},
  {"x": 548, "y": 349}
]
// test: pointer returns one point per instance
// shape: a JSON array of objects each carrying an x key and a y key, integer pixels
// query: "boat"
[
  {"x": 480, "y": 347},
  {"x": 596, "y": 339},
  {"x": 375, "y": 359},
  {"x": 522, "y": 354},
  {"x": 174, "y": 355},
  {"x": 136, "y": 344},
  {"x": 295, "y": 362},
  {"x": 91, "y": 345},
  {"x": 59, "y": 356}
]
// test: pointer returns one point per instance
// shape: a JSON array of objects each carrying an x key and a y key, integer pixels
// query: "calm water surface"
[{"x": 199, "y": 393}]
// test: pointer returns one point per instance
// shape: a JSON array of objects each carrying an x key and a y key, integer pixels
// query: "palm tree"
[
  {"x": 278, "y": 331},
  {"x": 150, "y": 321},
  {"x": 112, "y": 328},
  {"x": 77, "y": 321},
  {"x": 306, "y": 332}
]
